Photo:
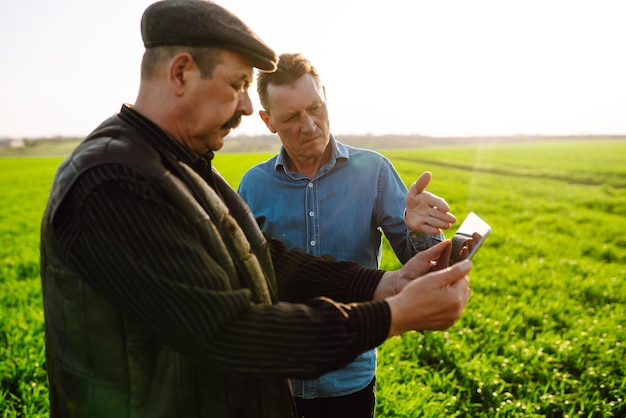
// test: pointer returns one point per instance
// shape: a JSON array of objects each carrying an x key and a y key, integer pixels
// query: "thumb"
[
  {"x": 421, "y": 183},
  {"x": 454, "y": 273},
  {"x": 437, "y": 251}
]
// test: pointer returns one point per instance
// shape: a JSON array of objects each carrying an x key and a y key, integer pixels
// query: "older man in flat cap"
[{"x": 160, "y": 291}]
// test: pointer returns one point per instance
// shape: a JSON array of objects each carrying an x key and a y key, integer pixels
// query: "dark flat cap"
[{"x": 203, "y": 23}]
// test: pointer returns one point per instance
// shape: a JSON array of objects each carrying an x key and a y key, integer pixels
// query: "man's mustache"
[{"x": 233, "y": 122}]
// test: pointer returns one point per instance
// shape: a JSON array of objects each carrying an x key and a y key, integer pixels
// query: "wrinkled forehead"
[
  {"x": 303, "y": 92},
  {"x": 236, "y": 65}
]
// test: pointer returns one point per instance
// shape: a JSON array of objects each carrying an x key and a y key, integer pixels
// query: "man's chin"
[{"x": 219, "y": 142}]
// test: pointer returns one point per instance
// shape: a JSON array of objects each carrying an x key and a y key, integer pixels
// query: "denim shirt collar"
[{"x": 339, "y": 152}]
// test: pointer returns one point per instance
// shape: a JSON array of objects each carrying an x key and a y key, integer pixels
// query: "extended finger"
[
  {"x": 436, "y": 251},
  {"x": 438, "y": 205},
  {"x": 421, "y": 183},
  {"x": 443, "y": 261}
]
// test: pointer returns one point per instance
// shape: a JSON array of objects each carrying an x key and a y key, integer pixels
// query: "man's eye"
[
  {"x": 241, "y": 86},
  {"x": 316, "y": 108}
]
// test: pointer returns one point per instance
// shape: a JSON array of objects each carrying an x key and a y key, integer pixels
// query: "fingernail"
[{"x": 466, "y": 264}]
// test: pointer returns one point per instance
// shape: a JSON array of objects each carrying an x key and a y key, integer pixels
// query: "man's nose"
[
  {"x": 308, "y": 123},
  {"x": 244, "y": 106}
]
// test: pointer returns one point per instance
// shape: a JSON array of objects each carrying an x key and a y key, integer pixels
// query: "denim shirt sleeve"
[
  {"x": 421, "y": 241},
  {"x": 392, "y": 193}
]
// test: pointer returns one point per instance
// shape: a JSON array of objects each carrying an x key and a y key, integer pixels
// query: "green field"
[{"x": 543, "y": 334}]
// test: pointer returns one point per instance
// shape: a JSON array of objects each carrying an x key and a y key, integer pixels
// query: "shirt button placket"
[{"x": 311, "y": 223}]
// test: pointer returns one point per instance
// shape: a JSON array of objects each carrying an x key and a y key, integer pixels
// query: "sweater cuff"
[
  {"x": 364, "y": 283},
  {"x": 371, "y": 321}
]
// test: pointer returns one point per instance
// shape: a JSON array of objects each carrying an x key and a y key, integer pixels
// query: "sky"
[{"x": 436, "y": 68}]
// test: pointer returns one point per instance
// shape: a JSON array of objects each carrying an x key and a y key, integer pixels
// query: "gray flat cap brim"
[{"x": 203, "y": 23}]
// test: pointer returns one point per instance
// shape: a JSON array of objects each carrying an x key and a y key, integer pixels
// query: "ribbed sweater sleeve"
[
  {"x": 302, "y": 275},
  {"x": 140, "y": 253}
]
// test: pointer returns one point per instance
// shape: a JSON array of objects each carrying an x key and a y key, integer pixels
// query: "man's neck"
[{"x": 311, "y": 166}]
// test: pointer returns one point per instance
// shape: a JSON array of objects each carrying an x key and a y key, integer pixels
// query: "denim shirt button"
[
  {"x": 312, "y": 243},
  {"x": 310, "y": 184},
  {"x": 311, "y": 213}
]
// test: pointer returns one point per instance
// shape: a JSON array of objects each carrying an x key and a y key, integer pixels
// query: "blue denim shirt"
[{"x": 341, "y": 212}]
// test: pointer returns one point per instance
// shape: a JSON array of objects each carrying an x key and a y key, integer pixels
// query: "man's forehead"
[
  {"x": 301, "y": 92},
  {"x": 238, "y": 66}
]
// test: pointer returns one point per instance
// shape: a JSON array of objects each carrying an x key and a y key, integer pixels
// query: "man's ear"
[
  {"x": 178, "y": 72},
  {"x": 265, "y": 117}
]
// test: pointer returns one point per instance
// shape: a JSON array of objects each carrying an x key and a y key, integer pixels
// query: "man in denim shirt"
[{"x": 328, "y": 198}]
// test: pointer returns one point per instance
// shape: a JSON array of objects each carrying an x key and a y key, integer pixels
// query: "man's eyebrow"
[
  {"x": 242, "y": 76},
  {"x": 316, "y": 103}
]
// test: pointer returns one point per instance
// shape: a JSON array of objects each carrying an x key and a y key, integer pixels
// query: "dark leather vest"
[{"x": 102, "y": 363}]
